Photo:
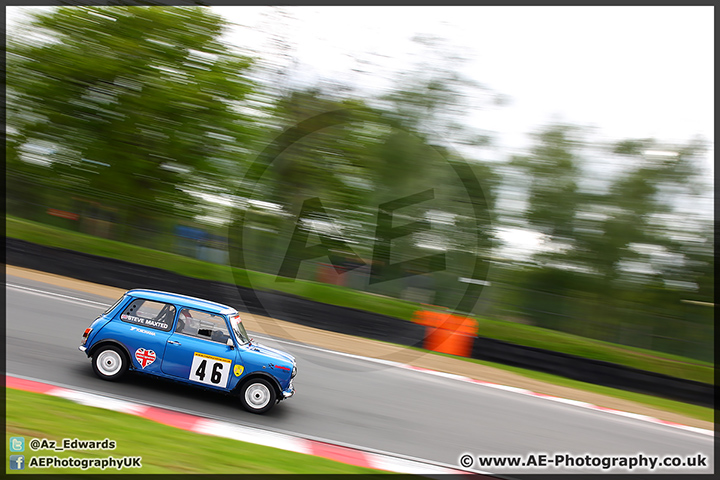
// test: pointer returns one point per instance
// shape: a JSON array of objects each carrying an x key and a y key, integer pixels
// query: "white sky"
[{"x": 630, "y": 71}]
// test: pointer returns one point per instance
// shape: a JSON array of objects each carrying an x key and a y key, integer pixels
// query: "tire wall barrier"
[{"x": 121, "y": 274}]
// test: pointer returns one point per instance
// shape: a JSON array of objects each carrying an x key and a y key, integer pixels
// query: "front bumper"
[{"x": 289, "y": 392}]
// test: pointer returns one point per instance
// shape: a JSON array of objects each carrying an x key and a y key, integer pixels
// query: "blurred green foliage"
[{"x": 130, "y": 104}]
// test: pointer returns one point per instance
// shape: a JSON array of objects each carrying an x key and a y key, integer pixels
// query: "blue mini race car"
[{"x": 189, "y": 340}]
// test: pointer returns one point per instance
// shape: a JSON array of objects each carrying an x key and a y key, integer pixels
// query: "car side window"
[
  {"x": 151, "y": 314},
  {"x": 202, "y": 325},
  {"x": 112, "y": 307}
]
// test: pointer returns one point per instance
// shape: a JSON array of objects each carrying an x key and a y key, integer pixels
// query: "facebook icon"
[{"x": 17, "y": 462}]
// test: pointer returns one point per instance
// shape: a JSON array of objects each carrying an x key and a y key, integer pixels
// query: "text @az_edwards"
[
  {"x": 37, "y": 444},
  {"x": 586, "y": 461}
]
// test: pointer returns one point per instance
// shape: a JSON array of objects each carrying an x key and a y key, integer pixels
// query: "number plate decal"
[{"x": 210, "y": 370}]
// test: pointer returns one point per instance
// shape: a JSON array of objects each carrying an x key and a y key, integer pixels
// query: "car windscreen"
[{"x": 239, "y": 329}]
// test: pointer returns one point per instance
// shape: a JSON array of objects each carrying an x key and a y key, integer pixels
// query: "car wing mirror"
[{"x": 230, "y": 343}]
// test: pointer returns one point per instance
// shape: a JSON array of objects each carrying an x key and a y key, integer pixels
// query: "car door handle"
[{"x": 173, "y": 342}]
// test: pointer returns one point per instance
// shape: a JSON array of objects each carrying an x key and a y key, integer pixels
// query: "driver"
[{"x": 191, "y": 325}]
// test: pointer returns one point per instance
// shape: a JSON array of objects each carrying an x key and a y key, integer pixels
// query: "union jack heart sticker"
[{"x": 144, "y": 357}]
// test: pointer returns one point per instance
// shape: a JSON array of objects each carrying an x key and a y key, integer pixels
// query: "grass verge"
[
  {"x": 163, "y": 449},
  {"x": 528, "y": 335}
]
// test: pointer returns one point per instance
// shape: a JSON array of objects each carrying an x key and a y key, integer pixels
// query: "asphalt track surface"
[{"x": 346, "y": 399}]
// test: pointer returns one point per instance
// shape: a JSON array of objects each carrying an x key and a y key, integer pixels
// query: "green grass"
[
  {"x": 528, "y": 335},
  {"x": 694, "y": 411},
  {"x": 163, "y": 449}
]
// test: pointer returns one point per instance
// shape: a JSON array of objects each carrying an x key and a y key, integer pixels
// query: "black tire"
[
  {"x": 257, "y": 395},
  {"x": 109, "y": 362}
]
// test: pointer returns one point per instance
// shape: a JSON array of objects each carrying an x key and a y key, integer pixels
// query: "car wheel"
[
  {"x": 257, "y": 396},
  {"x": 109, "y": 363}
]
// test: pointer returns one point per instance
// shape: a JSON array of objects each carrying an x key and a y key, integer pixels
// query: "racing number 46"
[
  {"x": 210, "y": 370},
  {"x": 216, "y": 372}
]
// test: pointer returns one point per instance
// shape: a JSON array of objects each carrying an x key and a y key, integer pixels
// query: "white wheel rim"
[
  {"x": 109, "y": 362},
  {"x": 257, "y": 395}
]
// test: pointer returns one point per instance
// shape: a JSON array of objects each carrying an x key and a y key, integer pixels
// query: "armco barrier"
[{"x": 349, "y": 321}]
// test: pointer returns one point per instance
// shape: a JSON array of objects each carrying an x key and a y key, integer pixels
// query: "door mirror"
[{"x": 230, "y": 343}]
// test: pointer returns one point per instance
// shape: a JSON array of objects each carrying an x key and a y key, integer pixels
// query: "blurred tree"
[
  {"x": 620, "y": 254},
  {"x": 322, "y": 149},
  {"x": 553, "y": 171},
  {"x": 647, "y": 200},
  {"x": 431, "y": 104},
  {"x": 639, "y": 208},
  {"x": 434, "y": 98},
  {"x": 699, "y": 261},
  {"x": 140, "y": 104},
  {"x": 314, "y": 151},
  {"x": 355, "y": 159}
]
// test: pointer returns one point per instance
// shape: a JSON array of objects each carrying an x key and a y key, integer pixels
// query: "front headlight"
[{"x": 294, "y": 371}]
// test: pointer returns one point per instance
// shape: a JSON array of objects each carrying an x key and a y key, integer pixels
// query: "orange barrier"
[
  {"x": 447, "y": 333},
  {"x": 326, "y": 273}
]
